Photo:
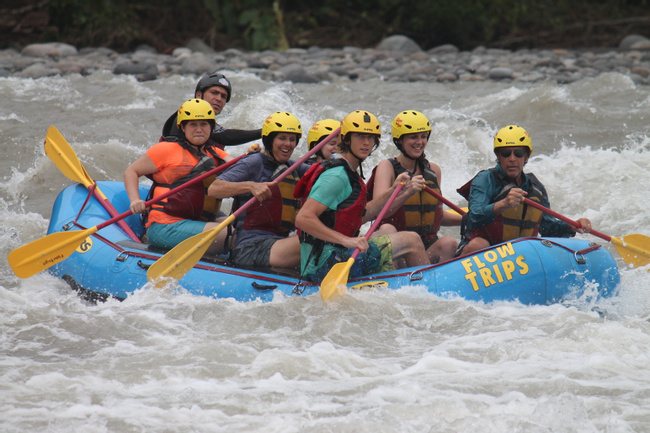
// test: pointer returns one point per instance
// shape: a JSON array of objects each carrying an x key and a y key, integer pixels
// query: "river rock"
[
  {"x": 397, "y": 58},
  {"x": 500, "y": 73},
  {"x": 198, "y": 63},
  {"x": 399, "y": 43},
  {"x": 643, "y": 45},
  {"x": 50, "y": 49},
  {"x": 643, "y": 72},
  {"x": 198, "y": 46},
  {"x": 297, "y": 74},
  {"x": 630, "y": 41},
  {"x": 444, "y": 49},
  {"x": 143, "y": 71},
  {"x": 38, "y": 70}
]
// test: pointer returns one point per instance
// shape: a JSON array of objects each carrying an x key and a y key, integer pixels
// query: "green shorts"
[
  {"x": 378, "y": 258},
  {"x": 170, "y": 235}
]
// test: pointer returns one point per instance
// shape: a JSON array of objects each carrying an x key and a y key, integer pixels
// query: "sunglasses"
[{"x": 505, "y": 153}]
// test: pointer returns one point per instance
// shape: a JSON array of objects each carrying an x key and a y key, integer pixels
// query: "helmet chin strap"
[{"x": 360, "y": 162}]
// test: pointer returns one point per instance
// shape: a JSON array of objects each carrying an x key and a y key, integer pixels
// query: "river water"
[{"x": 398, "y": 361}]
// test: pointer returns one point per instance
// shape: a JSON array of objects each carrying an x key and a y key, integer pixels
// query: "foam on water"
[{"x": 403, "y": 360}]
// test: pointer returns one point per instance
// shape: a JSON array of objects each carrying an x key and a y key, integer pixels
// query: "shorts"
[
  {"x": 170, "y": 235},
  {"x": 378, "y": 258},
  {"x": 256, "y": 252}
]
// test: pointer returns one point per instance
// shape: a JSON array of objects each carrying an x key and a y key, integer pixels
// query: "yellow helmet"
[
  {"x": 360, "y": 121},
  {"x": 409, "y": 122},
  {"x": 281, "y": 121},
  {"x": 321, "y": 129},
  {"x": 195, "y": 109},
  {"x": 513, "y": 135}
]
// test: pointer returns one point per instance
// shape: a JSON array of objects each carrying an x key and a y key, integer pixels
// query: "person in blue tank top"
[
  {"x": 262, "y": 232},
  {"x": 497, "y": 212}
]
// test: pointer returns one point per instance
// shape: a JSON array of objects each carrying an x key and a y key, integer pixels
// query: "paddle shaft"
[
  {"x": 565, "y": 219},
  {"x": 444, "y": 200},
  {"x": 180, "y": 259},
  {"x": 164, "y": 195},
  {"x": 289, "y": 170},
  {"x": 339, "y": 273},
  {"x": 380, "y": 217}
]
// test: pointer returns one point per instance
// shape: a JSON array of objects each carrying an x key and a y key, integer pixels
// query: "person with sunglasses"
[
  {"x": 497, "y": 212},
  {"x": 216, "y": 89}
]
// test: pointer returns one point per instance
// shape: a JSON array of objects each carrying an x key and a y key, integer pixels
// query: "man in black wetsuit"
[{"x": 216, "y": 89}]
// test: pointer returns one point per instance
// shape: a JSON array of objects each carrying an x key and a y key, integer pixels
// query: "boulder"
[
  {"x": 297, "y": 74},
  {"x": 630, "y": 40},
  {"x": 142, "y": 71},
  {"x": 399, "y": 43},
  {"x": 50, "y": 49},
  {"x": 198, "y": 46}
]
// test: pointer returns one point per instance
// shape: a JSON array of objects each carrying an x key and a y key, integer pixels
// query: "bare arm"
[
  {"x": 375, "y": 206},
  {"x": 308, "y": 221},
  {"x": 223, "y": 189},
  {"x": 384, "y": 178},
  {"x": 142, "y": 166},
  {"x": 385, "y": 181}
]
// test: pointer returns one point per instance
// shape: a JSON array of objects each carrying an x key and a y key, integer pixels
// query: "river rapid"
[{"x": 395, "y": 361}]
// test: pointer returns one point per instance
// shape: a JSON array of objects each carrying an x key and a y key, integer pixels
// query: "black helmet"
[{"x": 214, "y": 79}]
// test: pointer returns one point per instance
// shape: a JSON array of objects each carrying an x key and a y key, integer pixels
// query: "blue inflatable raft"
[{"x": 530, "y": 270}]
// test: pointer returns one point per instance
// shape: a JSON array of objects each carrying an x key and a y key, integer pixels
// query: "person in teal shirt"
[{"x": 334, "y": 206}]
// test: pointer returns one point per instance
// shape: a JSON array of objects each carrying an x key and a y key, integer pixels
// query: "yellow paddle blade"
[
  {"x": 60, "y": 152},
  {"x": 62, "y": 155},
  {"x": 39, "y": 255},
  {"x": 335, "y": 282},
  {"x": 179, "y": 260},
  {"x": 451, "y": 211},
  {"x": 633, "y": 249}
]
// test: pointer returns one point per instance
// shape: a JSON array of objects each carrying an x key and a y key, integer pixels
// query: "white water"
[{"x": 376, "y": 362}]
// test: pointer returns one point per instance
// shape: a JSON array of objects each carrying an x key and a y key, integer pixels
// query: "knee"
[
  {"x": 475, "y": 244},
  {"x": 413, "y": 240},
  {"x": 448, "y": 243}
]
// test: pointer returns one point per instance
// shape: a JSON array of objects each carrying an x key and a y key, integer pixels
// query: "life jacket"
[
  {"x": 276, "y": 214},
  {"x": 516, "y": 222},
  {"x": 422, "y": 212},
  {"x": 192, "y": 202},
  {"x": 348, "y": 216}
]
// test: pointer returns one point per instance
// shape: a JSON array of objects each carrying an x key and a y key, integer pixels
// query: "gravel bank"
[{"x": 397, "y": 58}]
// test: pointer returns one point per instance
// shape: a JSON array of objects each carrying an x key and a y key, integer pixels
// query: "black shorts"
[{"x": 256, "y": 252}]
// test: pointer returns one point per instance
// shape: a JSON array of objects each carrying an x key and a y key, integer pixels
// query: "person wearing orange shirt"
[{"x": 170, "y": 164}]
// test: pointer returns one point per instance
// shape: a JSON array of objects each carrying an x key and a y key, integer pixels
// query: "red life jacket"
[
  {"x": 348, "y": 216},
  {"x": 517, "y": 222},
  {"x": 276, "y": 214},
  {"x": 422, "y": 212}
]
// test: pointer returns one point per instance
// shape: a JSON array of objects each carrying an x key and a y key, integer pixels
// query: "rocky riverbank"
[{"x": 397, "y": 58}]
